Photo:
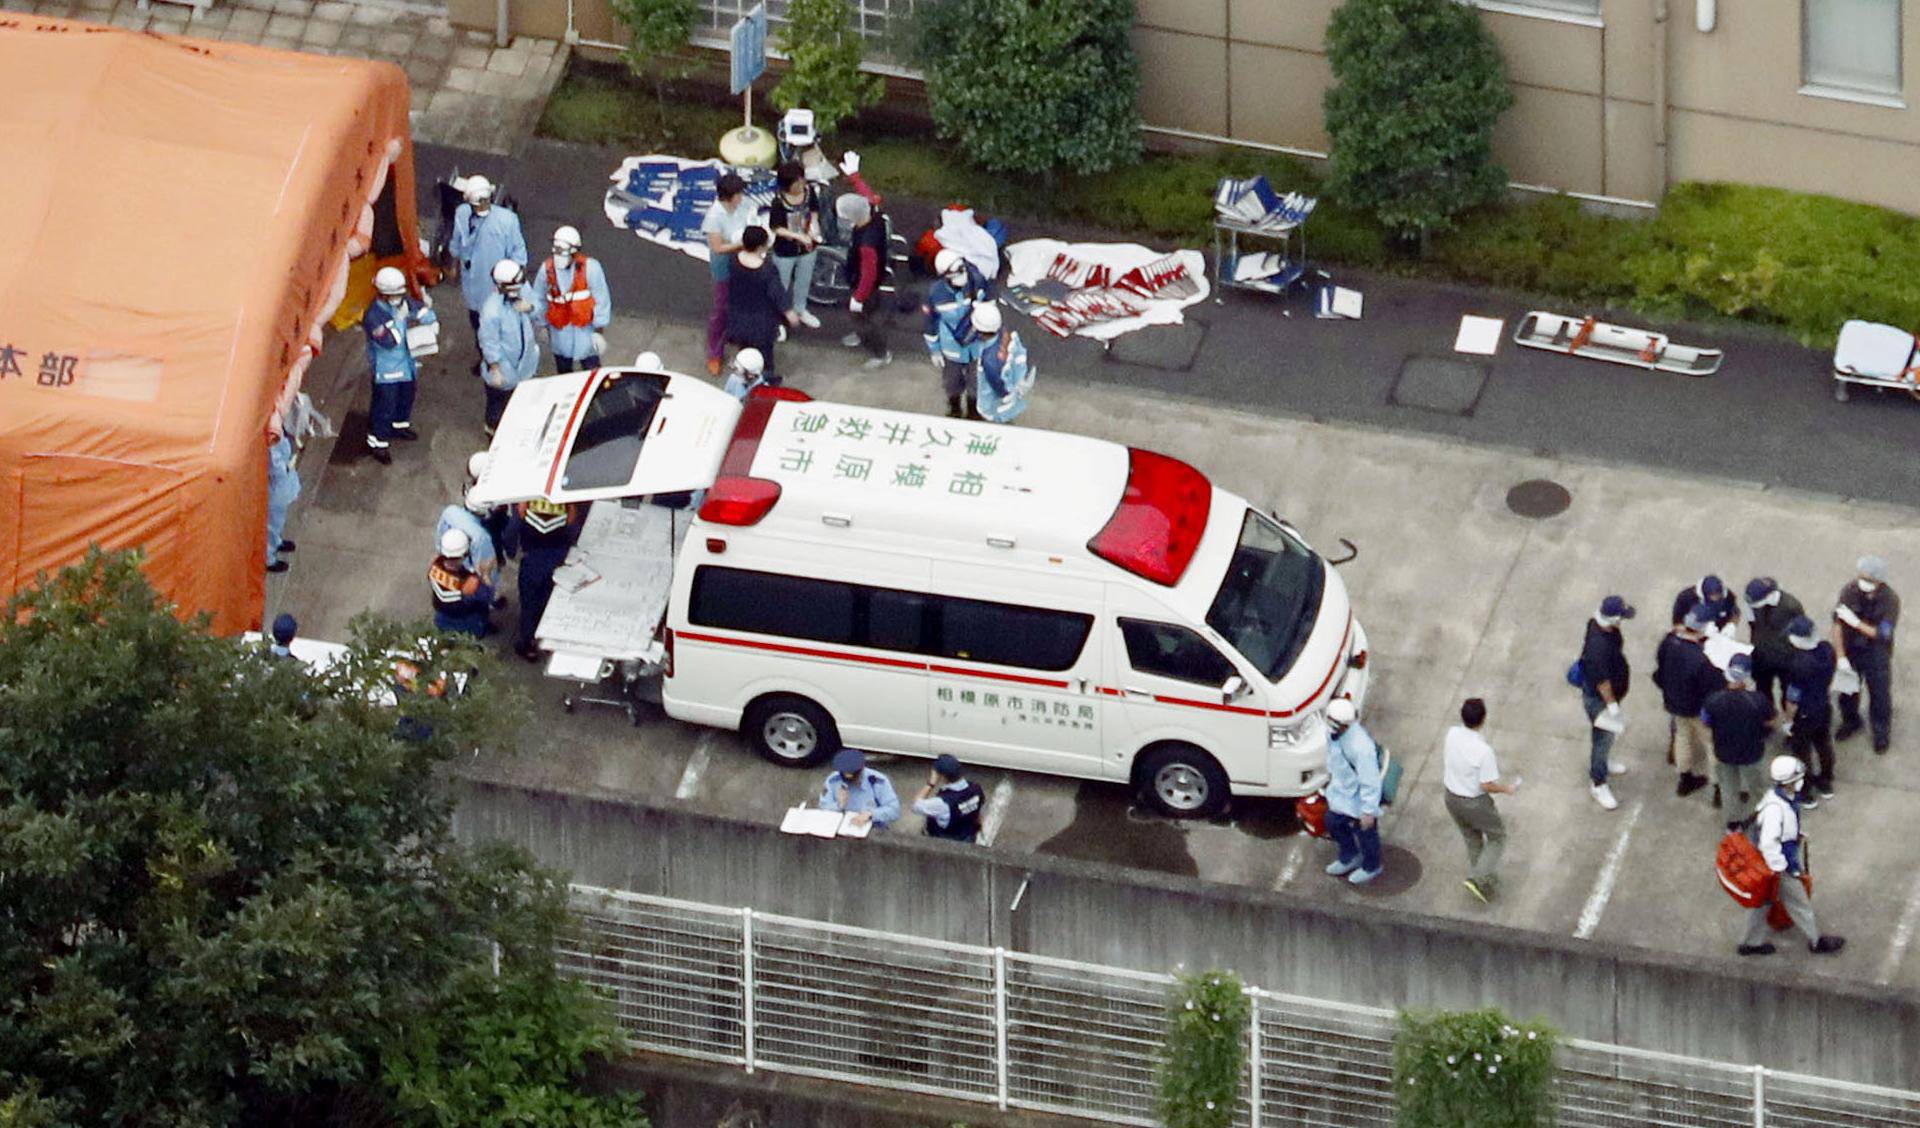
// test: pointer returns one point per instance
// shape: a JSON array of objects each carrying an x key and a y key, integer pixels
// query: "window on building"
[
  {"x": 1589, "y": 9},
  {"x": 1170, "y": 651},
  {"x": 1852, "y": 46}
]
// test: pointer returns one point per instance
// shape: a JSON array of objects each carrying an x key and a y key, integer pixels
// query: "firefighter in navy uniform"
[
  {"x": 951, "y": 803},
  {"x": 546, "y": 530},
  {"x": 461, "y": 599}
]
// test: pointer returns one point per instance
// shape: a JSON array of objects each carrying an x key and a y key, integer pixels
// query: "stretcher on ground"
[
  {"x": 1873, "y": 355},
  {"x": 1594, "y": 339}
]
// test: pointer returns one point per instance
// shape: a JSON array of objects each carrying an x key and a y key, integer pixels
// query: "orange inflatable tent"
[{"x": 177, "y": 219}]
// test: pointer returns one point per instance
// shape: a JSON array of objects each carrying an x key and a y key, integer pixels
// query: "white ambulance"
[{"x": 919, "y": 585}]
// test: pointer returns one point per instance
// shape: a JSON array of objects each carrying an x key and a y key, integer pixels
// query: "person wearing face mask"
[
  {"x": 1769, "y": 611},
  {"x": 570, "y": 294},
  {"x": 1353, "y": 795},
  {"x": 1863, "y": 623},
  {"x": 1777, "y": 827},
  {"x": 483, "y": 235},
  {"x": 508, "y": 351},
  {"x": 1003, "y": 376},
  {"x": 1809, "y": 684},
  {"x": 1687, "y": 677},
  {"x": 1740, "y": 719},
  {"x": 1604, "y": 676},
  {"x": 1712, "y": 591},
  {"x": 949, "y": 327},
  {"x": 393, "y": 312}
]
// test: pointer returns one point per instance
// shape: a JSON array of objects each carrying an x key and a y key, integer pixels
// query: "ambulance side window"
[
  {"x": 766, "y": 603},
  {"x": 896, "y": 620},
  {"x": 1169, "y": 651},
  {"x": 1006, "y": 634}
]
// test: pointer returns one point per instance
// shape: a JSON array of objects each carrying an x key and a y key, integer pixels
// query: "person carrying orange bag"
[{"x": 1784, "y": 847}]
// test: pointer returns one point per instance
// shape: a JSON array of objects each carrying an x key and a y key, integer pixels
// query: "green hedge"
[{"x": 1800, "y": 262}]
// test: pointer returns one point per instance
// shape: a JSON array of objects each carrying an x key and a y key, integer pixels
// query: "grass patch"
[{"x": 1799, "y": 262}]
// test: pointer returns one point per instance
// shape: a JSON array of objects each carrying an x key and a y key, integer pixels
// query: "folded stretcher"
[
  {"x": 1875, "y": 356},
  {"x": 1594, "y": 339}
]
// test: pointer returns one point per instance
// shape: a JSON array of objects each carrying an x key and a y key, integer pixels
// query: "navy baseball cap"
[
  {"x": 847, "y": 761},
  {"x": 1801, "y": 627},
  {"x": 1740, "y": 666},
  {"x": 1701, "y": 616},
  {"x": 948, "y": 766},
  {"x": 1711, "y": 587},
  {"x": 1760, "y": 587},
  {"x": 284, "y": 628},
  {"x": 1617, "y": 607}
]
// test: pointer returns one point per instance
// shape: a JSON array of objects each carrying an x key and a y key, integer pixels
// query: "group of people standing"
[{"x": 473, "y": 542}]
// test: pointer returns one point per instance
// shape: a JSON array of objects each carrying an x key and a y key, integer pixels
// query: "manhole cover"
[
  {"x": 1537, "y": 497},
  {"x": 1442, "y": 384},
  {"x": 1169, "y": 348}
]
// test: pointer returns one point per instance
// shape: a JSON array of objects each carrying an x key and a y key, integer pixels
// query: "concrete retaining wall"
[{"x": 1776, "y": 1015}]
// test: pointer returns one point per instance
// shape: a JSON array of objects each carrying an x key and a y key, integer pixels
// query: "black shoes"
[
  {"x": 1756, "y": 949},
  {"x": 287, "y": 546},
  {"x": 528, "y": 653},
  {"x": 278, "y": 566},
  {"x": 406, "y": 434},
  {"x": 1716, "y": 796},
  {"x": 1827, "y": 945},
  {"x": 1689, "y": 783},
  {"x": 381, "y": 455},
  {"x": 1846, "y": 730}
]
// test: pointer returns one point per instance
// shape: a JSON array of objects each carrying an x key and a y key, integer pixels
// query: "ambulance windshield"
[
  {"x": 613, "y": 430},
  {"x": 1270, "y": 597}
]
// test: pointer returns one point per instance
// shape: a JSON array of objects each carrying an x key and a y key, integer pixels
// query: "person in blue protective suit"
[
  {"x": 482, "y": 236},
  {"x": 749, "y": 372},
  {"x": 386, "y": 322},
  {"x": 462, "y": 601},
  {"x": 1353, "y": 795},
  {"x": 508, "y": 351},
  {"x": 949, "y": 327},
  {"x": 1003, "y": 376},
  {"x": 570, "y": 295},
  {"x": 283, "y": 488},
  {"x": 470, "y": 517}
]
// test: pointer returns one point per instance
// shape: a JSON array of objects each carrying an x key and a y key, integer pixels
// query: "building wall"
[{"x": 1584, "y": 117}]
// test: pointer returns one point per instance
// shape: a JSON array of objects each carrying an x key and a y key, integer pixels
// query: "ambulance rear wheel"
[
  {"x": 1182, "y": 781},
  {"x": 791, "y": 731}
]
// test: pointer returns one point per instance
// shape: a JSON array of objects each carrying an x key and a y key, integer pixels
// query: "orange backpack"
[
  {"x": 1312, "y": 811},
  {"x": 1743, "y": 870}
]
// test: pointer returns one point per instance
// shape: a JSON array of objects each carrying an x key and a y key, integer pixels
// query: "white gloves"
[
  {"x": 855, "y": 305},
  {"x": 599, "y": 345},
  {"x": 850, "y": 162},
  {"x": 936, "y": 360},
  {"x": 426, "y": 300}
]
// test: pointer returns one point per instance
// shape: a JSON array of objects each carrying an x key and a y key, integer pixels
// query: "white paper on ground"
[{"x": 1479, "y": 335}]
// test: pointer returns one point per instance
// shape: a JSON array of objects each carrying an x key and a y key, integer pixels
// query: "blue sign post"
[{"x": 747, "y": 146}]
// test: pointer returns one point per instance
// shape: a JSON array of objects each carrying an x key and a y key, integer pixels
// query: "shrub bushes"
[
  {"x": 1472, "y": 1070},
  {"x": 1205, "y": 1054}
]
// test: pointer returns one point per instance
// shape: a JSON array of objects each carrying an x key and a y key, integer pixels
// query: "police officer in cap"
[{"x": 951, "y": 802}]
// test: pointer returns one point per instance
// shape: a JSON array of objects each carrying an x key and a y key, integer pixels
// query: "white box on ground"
[{"x": 1479, "y": 335}]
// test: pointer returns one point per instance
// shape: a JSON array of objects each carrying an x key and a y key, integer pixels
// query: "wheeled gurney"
[{"x": 1875, "y": 356}]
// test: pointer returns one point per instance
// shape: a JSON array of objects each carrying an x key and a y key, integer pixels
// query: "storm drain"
[{"x": 1539, "y": 498}]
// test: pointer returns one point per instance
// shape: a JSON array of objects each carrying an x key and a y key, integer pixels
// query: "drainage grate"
[
  {"x": 1538, "y": 498},
  {"x": 1440, "y": 384}
]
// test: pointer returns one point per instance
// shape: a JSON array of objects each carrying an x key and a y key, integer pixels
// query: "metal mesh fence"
[
  {"x": 876, "y": 1008},
  {"x": 672, "y": 971},
  {"x": 887, "y": 26},
  {"x": 1084, "y": 1040}
]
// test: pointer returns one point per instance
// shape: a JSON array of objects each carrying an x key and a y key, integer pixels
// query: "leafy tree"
[
  {"x": 824, "y": 52},
  {"x": 1206, "y": 1050},
  {"x": 229, "y": 891},
  {"x": 657, "y": 32},
  {"x": 1418, "y": 85},
  {"x": 1472, "y": 1069},
  {"x": 1032, "y": 86}
]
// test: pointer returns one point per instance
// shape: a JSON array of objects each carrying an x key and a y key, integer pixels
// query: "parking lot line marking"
[
  {"x": 1290, "y": 869},
  {"x": 1902, "y": 936},
  {"x": 1609, "y": 873},
  {"x": 696, "y": 767},
  {"x": 996, "y": 810}
]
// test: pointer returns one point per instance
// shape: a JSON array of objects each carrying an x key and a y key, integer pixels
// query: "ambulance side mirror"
[{"x": 1234, "y": 688}]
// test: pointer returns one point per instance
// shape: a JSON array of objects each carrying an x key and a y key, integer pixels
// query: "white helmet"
[
  {"x": 507, "y": 272},
  {"x": 566, "y": 241},
  {"x": 453, "y": 542},
  {"x": 477, "y": 463},
  {"x": 750, "y": 361},
  {"x": 474, "y": 505},
  {"x": 1341, "y": 713},
  {"x": 1786, "y": 769},
  {"x": 947, "y": 262},
  {"x": 648, "y": 360},
  {"x": 478, "y": 190},
  {"x": 390, "y": 282},
  {"x": 986, "y": 316}
]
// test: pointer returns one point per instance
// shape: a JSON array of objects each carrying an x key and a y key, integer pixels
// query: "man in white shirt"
[{"x": 1472, "y": 779}]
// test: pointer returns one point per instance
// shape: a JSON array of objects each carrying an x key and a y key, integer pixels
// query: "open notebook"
[{"x": 823, "y": 824}]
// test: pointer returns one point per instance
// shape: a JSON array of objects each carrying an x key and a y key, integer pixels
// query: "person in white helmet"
[
  {"x": 649, "y": 361},
  {"x": 283, "y": 489},
  {"x": 949, "y": 327},
  {"x": 394, "y": 311},
  {"x": 570, "y": 294},
  {"x": 469, "y": 517},
  {"x": 508, "y": 351},
  {"x": 1777, "y": 833},
  {"x": 483, "y": 234},
  {"x": 1002, "y": 374},
  {"x": 749, "y": 372},
  {"x": 461, "y": 599},
  {"x": 1353, "y": 795},
  {"x": 497, "y": 519}
]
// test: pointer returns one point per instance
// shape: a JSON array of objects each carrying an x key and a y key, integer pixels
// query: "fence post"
[
  {"x": 1000, "y": 1026},
  {"x": 1253, "y": 1050},
  {"x": 746, "y": 982},
  {"x": 1759, "y": 1096}
]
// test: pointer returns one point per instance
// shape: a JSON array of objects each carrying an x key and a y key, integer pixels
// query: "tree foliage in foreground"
[{"x": 229, "y": 892}]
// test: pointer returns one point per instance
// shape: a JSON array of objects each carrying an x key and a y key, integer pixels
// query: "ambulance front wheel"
[
  {"x": 791, "y": 731},
  {"x": 1183, "y": 781}
]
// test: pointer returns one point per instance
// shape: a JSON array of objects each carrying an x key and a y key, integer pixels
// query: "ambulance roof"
[{"x": 971, "y": 487}]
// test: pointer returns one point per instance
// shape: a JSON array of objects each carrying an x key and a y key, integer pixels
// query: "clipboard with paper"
[{"x": 423, "y": 340}]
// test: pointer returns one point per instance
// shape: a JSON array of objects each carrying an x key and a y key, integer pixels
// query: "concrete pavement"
[{"x": 1460, "y": 595}]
